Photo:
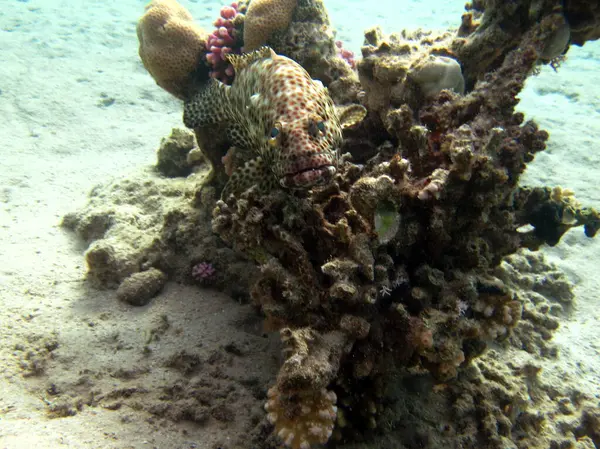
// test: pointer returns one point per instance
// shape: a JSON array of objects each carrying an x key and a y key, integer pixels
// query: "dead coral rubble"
[
  {"x": 392, "y": 267},
  {"x": 490, "y": 29},
  {"x": 142, "y": 228}
]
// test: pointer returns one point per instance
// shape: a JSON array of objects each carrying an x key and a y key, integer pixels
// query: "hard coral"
[
  {"x": 224, "y": 40},
  {"x": 263, "y": 18},
  {"x": 490, "y": 29},
  {"x": 310, "y": 40},
  {"x": 398, "y": 240},
  {"x": 345, "y": 54},
  {"x": 299, "y": 406},
  {"x": 438, "y": 73},
  {"x": 317, "y": 413},
  {"x": 402, "y": 68},
  {"x": 171, "y": 45}
]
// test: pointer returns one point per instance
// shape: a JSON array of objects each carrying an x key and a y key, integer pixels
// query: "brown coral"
[
  {"x": 263, "y": 18},
  {"x": 584, "y": 20},
  {"x": 300, "y": 408},
  {"x": 171, "y": 45},
  {"x": 407, "y": 241},
  {"x": 313, "y": 424}
]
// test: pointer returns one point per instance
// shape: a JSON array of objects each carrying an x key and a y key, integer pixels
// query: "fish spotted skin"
[{"x": 282, "y": 124}]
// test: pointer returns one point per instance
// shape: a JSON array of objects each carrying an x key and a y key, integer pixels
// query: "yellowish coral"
[
  {"x": 170, "y": 45},
  {"x": 302, "y": 420},
  {"x": 263, "y": 18}
]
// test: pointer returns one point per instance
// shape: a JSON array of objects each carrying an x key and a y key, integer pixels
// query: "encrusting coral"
[
  {"x": 491, "y": 29},
  {"x": 223, "y": 41},
  {"x": 394, "y": 268}
]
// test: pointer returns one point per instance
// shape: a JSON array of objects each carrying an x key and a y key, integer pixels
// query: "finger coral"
[
  {"x": 171, "y": 45},
  {"x": 223, "y": 41},
  {"x": 263, "y": 18}
]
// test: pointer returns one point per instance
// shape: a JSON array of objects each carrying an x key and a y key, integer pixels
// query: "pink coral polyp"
[{"x": 221, "y": 42}]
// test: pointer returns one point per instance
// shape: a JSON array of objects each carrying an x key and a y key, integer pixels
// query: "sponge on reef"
[
  {"x": 263, "y": 18},
  {"x": 171, "y": 45}
]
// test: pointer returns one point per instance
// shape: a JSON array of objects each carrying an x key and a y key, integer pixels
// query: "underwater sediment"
[{"x": 389, "y": 282}]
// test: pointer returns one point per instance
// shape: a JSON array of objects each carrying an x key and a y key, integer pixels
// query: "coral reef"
[
  {"x": 299, "y": 29},
  {"x": 399, "y": 273},
  {"x": 223, "y": 41},
  {"x": 346, "y": 55},
  {"x": 438, "y": 73},
  {"x": 501, "y": 399},
  {"x": 171, "y": 46},
  {"x": 405, "y": 69},
  {"x": 583, "y": 18},
  {"x": 547, "y": 297},
  {"x": 263, "y": 18},
  {"x": 392, "y": 266},
  {"x": 490, "y": 30},
  {"x": 310, "y": 40}
]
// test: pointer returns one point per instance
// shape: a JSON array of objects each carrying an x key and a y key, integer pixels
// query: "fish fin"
[
  {"x": 351, "y": 115},
  {"x": 254, "y": 172},
  {"x": 209, "y": 106},
  {"x": 240, "y": 62}
]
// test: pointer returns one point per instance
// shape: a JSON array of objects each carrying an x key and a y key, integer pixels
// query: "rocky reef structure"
[
  {"x": 492, "y": 29},
  {"x": 300, "y": 30},
  {"x": 158, "y": 224},
  {"x": 392, "y": 275},
  {"x": 390, "y": 269}
]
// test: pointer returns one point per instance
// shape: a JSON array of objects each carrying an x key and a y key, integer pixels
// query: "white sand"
[{"x": 59, "y": 61}]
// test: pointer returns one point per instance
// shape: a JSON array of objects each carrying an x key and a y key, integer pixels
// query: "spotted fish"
[{"x": 283, "y": 126}]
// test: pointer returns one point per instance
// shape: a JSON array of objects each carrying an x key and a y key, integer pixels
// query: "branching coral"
[
  {"x": 224, "y": 40},
  {"x": 171, "y": 46}
]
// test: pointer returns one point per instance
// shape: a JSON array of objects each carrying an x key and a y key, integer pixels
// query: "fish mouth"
[{"x": 309, "y": 177}]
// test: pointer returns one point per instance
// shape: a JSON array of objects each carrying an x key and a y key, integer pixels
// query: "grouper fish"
[{"x": 283, "y": 125}]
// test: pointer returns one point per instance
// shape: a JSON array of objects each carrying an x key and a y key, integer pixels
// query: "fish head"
[{"x": 306, "y": 150}]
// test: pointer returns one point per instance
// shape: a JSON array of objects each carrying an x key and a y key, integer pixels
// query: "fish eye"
[
  {"x": 321, "y": 126},
  {"x": 274, "y": 132}
]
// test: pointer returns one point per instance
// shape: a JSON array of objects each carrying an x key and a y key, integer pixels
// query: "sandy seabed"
[{"x": 78, "y": 109}]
